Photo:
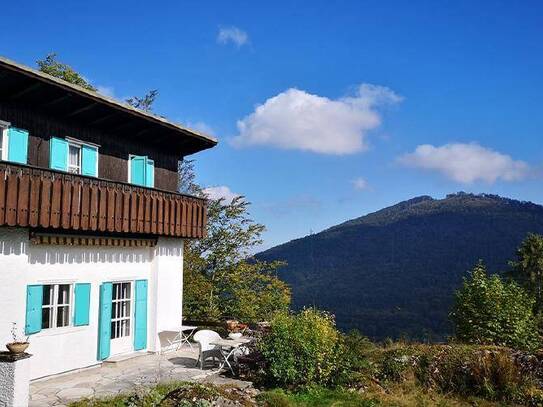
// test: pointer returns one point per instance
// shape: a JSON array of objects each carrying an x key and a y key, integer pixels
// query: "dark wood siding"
[{"x": 113, "y": 152}]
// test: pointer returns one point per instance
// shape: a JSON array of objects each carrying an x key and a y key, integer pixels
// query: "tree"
[
  {"x": 144, "y": 103},
  {"x": 221, "y": 279},
  {"x": 528, "y": 269},
  {"x": 50, "y": 65},
  {"x": 187, "y": 178},
  {"x": 490, "y": 311}
]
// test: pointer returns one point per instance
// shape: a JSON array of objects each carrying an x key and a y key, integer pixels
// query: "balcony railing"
[{"x": 47, "y": 199}]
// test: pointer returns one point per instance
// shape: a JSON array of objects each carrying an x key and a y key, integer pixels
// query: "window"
[
  {"x": 120, "y": 310},
  {"x": 56, "y": 306},
  {"x": 13, "y": 143},
  {"x": 74, "y": 158},
  {"x": 141, "y": 171},
  {"x": 3, "y": 144}
]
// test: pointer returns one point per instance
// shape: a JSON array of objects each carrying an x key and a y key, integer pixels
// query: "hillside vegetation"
[{"x": 393, "y": 273}]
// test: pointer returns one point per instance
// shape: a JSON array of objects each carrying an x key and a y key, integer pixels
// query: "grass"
[
  {"x": 315, "y": 398},
  {"x": 401, "y": 395}
]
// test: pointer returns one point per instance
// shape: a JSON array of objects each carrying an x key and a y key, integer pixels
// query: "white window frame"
[
  {"x": 4, "y": 126},
  {"x": 131, "y": 304},
  {"x": 54, "y": 306},
  {"x": 79, "y": 144},
  {"x": 69, "y": 166}
]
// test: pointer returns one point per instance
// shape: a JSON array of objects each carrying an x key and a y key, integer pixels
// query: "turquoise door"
[
  {"x": 104, "y": 321},
  {"x": 140, "y": 316}
]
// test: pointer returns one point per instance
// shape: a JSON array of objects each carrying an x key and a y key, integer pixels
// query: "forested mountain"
[{"x": 393, "y": 272}]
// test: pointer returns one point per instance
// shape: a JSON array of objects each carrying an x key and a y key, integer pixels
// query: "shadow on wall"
[{"x": 14, "y": 242}]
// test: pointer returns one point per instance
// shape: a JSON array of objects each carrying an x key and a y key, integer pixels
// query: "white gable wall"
[{"x": 63, "y": 349}]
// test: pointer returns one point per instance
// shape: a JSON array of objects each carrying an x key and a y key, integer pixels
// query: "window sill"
[{"x": 58, "y": 331}]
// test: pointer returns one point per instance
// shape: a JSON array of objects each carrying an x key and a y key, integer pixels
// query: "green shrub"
[
  {"x": 488, "y": 311},
  {"x": 396, "y": 365},
  {"x": 303, "y": 349},
  {"x": 490, "y": 372}
]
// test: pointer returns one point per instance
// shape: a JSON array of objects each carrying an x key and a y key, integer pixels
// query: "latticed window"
[
  {"x": 56, "y": 306},
  {"x": 74, "y": 159}
]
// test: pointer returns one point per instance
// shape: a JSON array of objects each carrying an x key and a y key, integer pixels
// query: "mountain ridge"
[{"x": 393, "y": 272}]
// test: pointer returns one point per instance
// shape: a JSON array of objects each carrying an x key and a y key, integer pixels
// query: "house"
[{"x": 91, "y": 223}]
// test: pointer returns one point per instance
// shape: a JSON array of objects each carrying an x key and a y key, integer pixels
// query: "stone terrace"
[{"x": 113, "y": 378}]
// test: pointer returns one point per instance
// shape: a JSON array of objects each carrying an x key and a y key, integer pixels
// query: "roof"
[{"x": 28, "y": 86}]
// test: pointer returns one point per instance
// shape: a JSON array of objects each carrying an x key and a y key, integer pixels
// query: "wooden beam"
[
  {"x": 103, "y": 119},
  {"x": 26, "y": 90},
  {"x": 56, "y": 100},
  {"x": 81, "y": 110}
]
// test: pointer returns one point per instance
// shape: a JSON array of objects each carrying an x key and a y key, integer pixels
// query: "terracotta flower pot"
[{"x": 17, "y": 347}]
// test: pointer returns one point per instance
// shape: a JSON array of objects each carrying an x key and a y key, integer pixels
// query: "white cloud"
[
  {"x": 295, "y": 119},
  {"x": 232, "y": 35},
  {"x": 219, "y": 192},
  {"x": 106, "y": 90},
  {"x": 466, "y": 163},
  {"x": 359, "y": 184},
  {"x": 201, "y": 126}
]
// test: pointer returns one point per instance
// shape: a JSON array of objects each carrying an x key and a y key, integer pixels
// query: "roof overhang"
[{"x": 65, "y": 101}]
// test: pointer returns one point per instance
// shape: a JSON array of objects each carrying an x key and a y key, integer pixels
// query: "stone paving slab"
[{"x": 103, "y": 381}]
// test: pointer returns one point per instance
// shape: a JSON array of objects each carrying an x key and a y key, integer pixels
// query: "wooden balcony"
[{"x": 51, "y": 200}]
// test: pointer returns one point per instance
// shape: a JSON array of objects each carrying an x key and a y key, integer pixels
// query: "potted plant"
[{"x": 19, "y": 344}]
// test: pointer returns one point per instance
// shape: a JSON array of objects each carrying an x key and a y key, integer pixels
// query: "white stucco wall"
[{"x": 64, "y": 349}]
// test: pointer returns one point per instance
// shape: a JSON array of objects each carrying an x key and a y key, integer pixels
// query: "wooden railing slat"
[
  {"x": 3, "y": 176},
  {"x": 32, "y": 197}
]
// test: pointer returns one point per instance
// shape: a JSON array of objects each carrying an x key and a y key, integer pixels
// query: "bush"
[
  {"x": 488, "y": 311},
  {"x": 490, "y": 372},
  {"x": 302, "y": 350}
]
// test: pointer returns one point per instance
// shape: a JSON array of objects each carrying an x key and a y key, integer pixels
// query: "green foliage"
[
  {"x": 528, "y": 269},
  {"x": 397, "y": 269},
  {"x": 50, "y": 65},
  {"x": 220, "y": 279},
  {"x": 488, "y": 372},
  {"x": 302, "y": 350},
  {"x": 315, "y": 397},
  {"x": 144, "y": 103},
  {"x": 490, "y": 311}
]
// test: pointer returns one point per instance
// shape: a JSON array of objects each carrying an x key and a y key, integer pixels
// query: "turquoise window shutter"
[
  {"x": 104, "y": 321},
  {"x": 82, "y": 293},
  {"x": 140, "y": 316},
  {"x": 89, "y": 161},
  {"x": 137, "y": 170},
  {"x": 34, "y": 300},
  {"x": 58, "y": 154},
  {"x": 17, "y": 145},
  {"x": 150, "y": 173}
]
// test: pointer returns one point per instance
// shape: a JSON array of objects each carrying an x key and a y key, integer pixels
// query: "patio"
[{"x": 124, "y": 376}]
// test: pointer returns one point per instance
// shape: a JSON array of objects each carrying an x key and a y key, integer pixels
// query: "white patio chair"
[{"x": 204, "y": 338}]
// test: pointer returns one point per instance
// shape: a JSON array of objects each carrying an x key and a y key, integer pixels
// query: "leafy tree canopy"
[
  {"x": 50, "y": 65},
  {"x": 490, "y": 311},
  {"x": 144, "y": 103},
  {"x": 528, "y": 269},
  {"x": 221, "y": 280}
]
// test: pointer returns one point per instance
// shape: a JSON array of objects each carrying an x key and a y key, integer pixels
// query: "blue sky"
[{"x": 325, "y": 111}]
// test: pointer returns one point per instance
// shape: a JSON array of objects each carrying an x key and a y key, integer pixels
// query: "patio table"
[
  {"x": 181, "y": 337},
  {"x": 231, "y": 345}
]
